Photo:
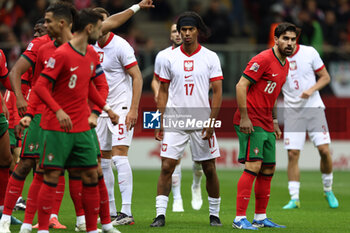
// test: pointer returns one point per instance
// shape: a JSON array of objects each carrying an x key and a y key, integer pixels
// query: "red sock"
[
  {"x": 75, "y": 190},
  {"x": 59, "y": 195},
  {"x": 45, "y": 201},
  {"x": 244, "y": 188},
  {"x": 262, "y": 192},
  {"x": 32, "y": 198},
  {"x": 13, "y": 191},
  {"x": 104, "y": 202},
  {"x": 4, "y": 179},
  {"x": 91, "y": 204}
]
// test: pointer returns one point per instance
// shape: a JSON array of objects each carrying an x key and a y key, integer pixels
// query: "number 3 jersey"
[
  {"x": 303, "y": 65},
  {"x": 70, "y": 73},
  {"x": 267, "y": 74}
]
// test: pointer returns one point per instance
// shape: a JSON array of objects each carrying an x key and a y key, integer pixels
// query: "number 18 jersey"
[{"x": 268, "y": 74}]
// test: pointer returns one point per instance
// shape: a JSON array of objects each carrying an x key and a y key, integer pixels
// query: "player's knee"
[
  {"x": 89, "y": 176},
  {"x": 324, "y": 151},
  {"x": 24, "y": 167},
  {"x": 293, "y": 155},
  {"x": 209, "y": 169}
]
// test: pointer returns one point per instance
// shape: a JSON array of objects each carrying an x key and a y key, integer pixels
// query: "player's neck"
[
  {"x": 79, "y": 42},
  {"x": 281, "y": 57},
  {"x": 104, "y": 39},
  {"x": 190, "y": 48},
  {"x": 64, "y": 37}
]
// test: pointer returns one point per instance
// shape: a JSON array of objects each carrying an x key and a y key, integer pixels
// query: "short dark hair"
[
  {"x": 85, "y": 17},
  {"x": 40, "y": 21},
  {"x": 285, "y": 27},
  {"x": 203, "y": 29},
  {"x": 63, "y": 10},
  {"x": 101, "y": 11}
]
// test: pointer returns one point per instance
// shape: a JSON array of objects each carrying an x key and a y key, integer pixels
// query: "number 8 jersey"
[{"x": 268, "y": 74}]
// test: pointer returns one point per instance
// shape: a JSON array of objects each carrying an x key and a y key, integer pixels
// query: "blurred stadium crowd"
[{"x": 324, "y": 23}]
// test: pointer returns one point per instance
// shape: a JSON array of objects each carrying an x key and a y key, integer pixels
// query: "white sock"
[
  {"x": 294, "y": 187},
  {"x": 161, "y": 204},
  {"x": 26, "y": 226},
  {"x": 107, "y": 227},
  {"x": 327, "y": 180},
  {"x": 45, "y": 231},
  {"x": 197, "y": 175},
  {"x": 214, "y": 206},
  {"x": 176, "y": 182},
  {"x": 259, "y": 217},
  {"x": 238, "y": 218},
  {"x": 81, "y": 219},
  {"x": 53, "y": 216},
  {"x": 108, "y": 176},
  {"x": 125, "y": 182},
  {"x": 95, "y": 231},
  {"x": 5, "y": 217}
]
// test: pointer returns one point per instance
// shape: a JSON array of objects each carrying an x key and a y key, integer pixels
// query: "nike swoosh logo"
[
  {"x": 120, "y": 138},
  {"x": 73, "y": 68},
  {"x": 187, "y": 76},
  {"x": 212, "y": 152},
  {"x": 274, "y": 75},
  {"x": 13, "y": 192},
  {"x": 121, "y": 182}
]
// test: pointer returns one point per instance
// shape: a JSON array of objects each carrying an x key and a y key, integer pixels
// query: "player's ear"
[
  {"x": 89, "y": 28},
  {"x": 276, "y": 40}
]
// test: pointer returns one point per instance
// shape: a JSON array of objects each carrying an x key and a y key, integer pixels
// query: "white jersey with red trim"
[
  {"x": 116, "y": 56},
  {"x": 303, "y": 65},
  {"x": 160, "y": 58},
  {"x": 190, "y": 76}
]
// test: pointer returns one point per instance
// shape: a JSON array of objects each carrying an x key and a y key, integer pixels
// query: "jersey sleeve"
[
  {"x": 255, "y": 68},
  {"x": 31, "y": 52},
  {"x": 126, "y": 55},
  {"x": 317, "y": 63},
  {"x": 215, "y": 68},
  {"x": 165, "y": 73},
  {"x": 3, "y": 65},
  {"x": 55, "y": 65},
  {"x": 158, "y": 63}
]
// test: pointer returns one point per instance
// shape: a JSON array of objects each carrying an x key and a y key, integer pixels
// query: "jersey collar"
[
  {"x": 111, "y": 35},
  {"x": 195, "y": 51},
  {"x": 273, "y": 51}
]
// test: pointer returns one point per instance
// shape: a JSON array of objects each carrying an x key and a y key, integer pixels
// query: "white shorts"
[
  {"x": 174, "y": 143},
  {"x": 297, "y": 122},
  {"x": 110, "y": 135}
]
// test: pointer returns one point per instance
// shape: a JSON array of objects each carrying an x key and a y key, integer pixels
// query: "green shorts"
[
  {"x": 260, "y": 145},
  {"x": 97, "y": 143},
  {"x": 32, "y": 141},
  {"x": 68, "y": 150},
  {"x": 13, "y": 140},
  {"x": 4, "y": 124}
]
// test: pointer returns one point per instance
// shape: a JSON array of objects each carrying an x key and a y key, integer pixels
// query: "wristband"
[
  {"x": 135, "y": 8},
  {"x": 106, "y": 108},
  {"x": 275, "y": 121}
]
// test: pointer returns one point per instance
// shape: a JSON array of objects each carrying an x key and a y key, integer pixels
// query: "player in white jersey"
[
  {"x": 125, "y": 86},
  {"x": 304, "y": 112},
  {"x": 188, "y": 72},
  {"x": 197, "y": 201}
]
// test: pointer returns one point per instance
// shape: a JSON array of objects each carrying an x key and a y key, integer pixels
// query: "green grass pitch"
[{"x": 313, "y": 216}]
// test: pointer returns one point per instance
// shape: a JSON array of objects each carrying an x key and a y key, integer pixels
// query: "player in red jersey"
[
  {"x": 71, "y": 68},
  {"x": 257, "y": 127}
]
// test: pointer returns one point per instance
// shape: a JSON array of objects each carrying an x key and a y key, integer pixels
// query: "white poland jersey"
[
  {"x": 160, "y": 58},
  {"x": 190, "y": 76},
  {"x": 303, "y": 65},
  {"x": 116, "y": 56}
]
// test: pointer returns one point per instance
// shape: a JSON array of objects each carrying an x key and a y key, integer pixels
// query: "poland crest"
[{"x": 188, "y": 65}]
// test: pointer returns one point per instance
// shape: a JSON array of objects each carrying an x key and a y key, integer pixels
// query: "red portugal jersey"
[
  {"x": 71, "y": 73},
  {"x": 3, "y": 69},
  {"x": 268, "y": 74},
  {"x": 33, "y": 47},
  {"x": 10, "y": 100}
]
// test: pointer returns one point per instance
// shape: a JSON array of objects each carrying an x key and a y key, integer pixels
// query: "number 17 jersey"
[{"x": 268, "y": 74}]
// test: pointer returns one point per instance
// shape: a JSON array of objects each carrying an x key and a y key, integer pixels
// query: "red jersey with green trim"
[
  {"x": 3, "y": 69},
  {"x": 267, "y": 74},
  {"x": 71, "y": 73},
  {"x": 33, "y": 47},
  {"x": 43, "y": 55}
]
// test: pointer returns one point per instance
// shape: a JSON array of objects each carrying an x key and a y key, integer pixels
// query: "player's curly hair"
[
  {"x": 63, "y": 10},
  {"x": 85, "y": 17},
  {"x": 204, "y": 31},
  {"x": 285, "y": 27}
]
